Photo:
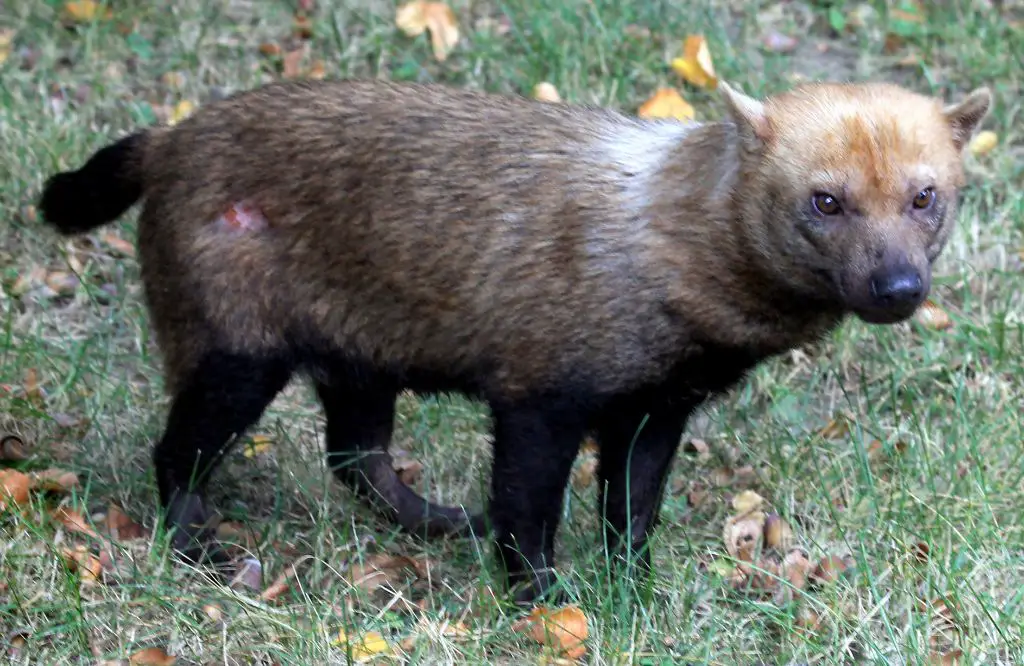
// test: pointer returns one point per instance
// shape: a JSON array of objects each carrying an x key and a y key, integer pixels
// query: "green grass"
[{"x": 952, "y": 397}]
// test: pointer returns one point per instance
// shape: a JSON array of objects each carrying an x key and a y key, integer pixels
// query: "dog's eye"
[
  {"x": 826, "y": 204},
  {"x": 924, "y": 198}
]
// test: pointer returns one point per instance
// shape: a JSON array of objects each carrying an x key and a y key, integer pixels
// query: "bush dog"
[{"x": 579, "y": 270}]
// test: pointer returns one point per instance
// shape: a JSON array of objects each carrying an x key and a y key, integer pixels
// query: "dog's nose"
[{"x": 898, "y": 288}]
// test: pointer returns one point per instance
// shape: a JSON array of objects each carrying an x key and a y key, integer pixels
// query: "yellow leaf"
[
  {"x": 666, "y": 103},
  {"x": 317, "y": 71},
  {"x": 371, "y": 643},
  {"x": 746, "y": 502},
  {"x": 413, "y": 18},
  {"x": 984, "y": 142},
  {"x": 695, "y": 66},
  {"x": 182, "y": 110},
  {"x": 6, "y": 37},
  {"x": 256, "y": 445},
  {"x": 932, "y": 316},
  {"x": 546, "y": 92},
  {"x": 564, "y": 629},
  {"x": 84, "y": 11}
]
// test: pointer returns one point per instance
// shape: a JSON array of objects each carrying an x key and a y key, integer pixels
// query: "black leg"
[
  {"x": 225, "y": 395},
  {"x": 359, "y": 427},
  {"x": 533, "y": 454},
  {"x": 637, "y": 446}
]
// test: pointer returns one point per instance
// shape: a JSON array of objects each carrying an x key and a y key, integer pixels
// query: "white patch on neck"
[{"x": 638, "y": 149}]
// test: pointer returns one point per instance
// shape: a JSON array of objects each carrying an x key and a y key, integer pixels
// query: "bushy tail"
[{"x": 101, "y": 191}]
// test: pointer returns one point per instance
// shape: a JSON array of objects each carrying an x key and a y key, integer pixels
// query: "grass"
[{"x": 944, "y": 404}]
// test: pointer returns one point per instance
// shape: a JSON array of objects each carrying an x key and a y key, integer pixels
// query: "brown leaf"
[
  {"x": 291, "y": 64},
  {"x": 119, "y": 245},
  {"x": 12, "y": 447},
  {"x": 151, "y": 657},
  {"x": 120, "y": 525},
  {"x": 270, "y": 49},
  {"x": 697, "y": 495},
  {"x": 795, "y": 569},
  {"x": 743, "y": 535},
  {"x": 81, "y": 559},
  {"x": 14, "y": 487},
  {"x": 413, "y": 18},
  {"x": 564, "y": 630},
  {"x": 695, "y": 66},
  {"x": 829, "y": 569},
  {"x": 280, "y": 584},
  {"x": 546, "y": 92},
  {"x": 302, "y": 27},
  {"x": 72, "y": 520},
  {"x": 409, "y": 470},
  {"x": 808, "y": 621},
  {"x": 697, "y": 447},
  {"x": 54, "y": 480},
  {"x": 932, "y": 317},
  {"x": 921, "y": 552},
  {"x": 317, "y": 71},
  {"x": 62, "y": 283},
  {"x": 777, "y": 532},
  {"x": 666, "y": 103},
  {"x": 381, "y": 576}
]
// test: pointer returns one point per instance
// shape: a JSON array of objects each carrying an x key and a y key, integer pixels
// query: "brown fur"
[{"x": 518, "y": 249}]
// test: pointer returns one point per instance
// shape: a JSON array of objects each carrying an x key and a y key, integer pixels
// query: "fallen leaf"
[
  {"x": 837, "y": 428},
  {"x": 921, "y": 552},
  {"x": 270, "y": 49},
  {"x": 777, "y": 532},
  {"x": 743, "y": 535},
  {"x": 280, "y": 584},
  {"x": 291, "y": 64},
  {"x": 72, "y": 520},
  {"x": 583, "y": 475},
  {"x": 564, "y": 629},
  {"x": 366, "y": 646},
  {"x": 984, "y": 142},
  {"x": 808, "y": 620},
  {"x": 933, "y": 317},
  {"x": 12, "y": 448},
  {"x": 546, "y": 92},
  {"x": 946, "y": 658},
  {"x": 82, "y": 560},
  {"x": 697, "y": 495},
  {"x": 746, "y": 502},
  {"x": 302, "y": 27},
  {"x": 695, "y": 66},
  {"x": 118, "y": 245},
  {"x": 62, "y": 283},
  {"x": 795, "y": 569},
  {"x": 666, "y": 103},
  {"x": 6, "y": 37},
  {"x": 14, "y": 487},
  {"x": 54, "y": 480},
  {"x": 381, "y": 576},
  {"x": 413, "y": 18},
  {"x": 829, "y": 569},
  {"x": 33, "y": 389},
  {"x": 84, "y": 11},
  {"x": 181, "y": 110},
  {"x": 214, "y": 612},
  {"x": 409, "y": 470},
  {"x": 151, "y": 657},
  {"x": 317, "y": 71},
  {"x": 697, "y": 447},
  {"x": 120, "y": 525},
  {"x": 257, "y": 445}
]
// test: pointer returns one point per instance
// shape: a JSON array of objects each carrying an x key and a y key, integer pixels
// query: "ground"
[{"x": 896, "y": 449}]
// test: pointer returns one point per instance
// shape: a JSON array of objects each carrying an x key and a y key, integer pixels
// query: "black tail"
[{"x": 100, "y": 192}]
